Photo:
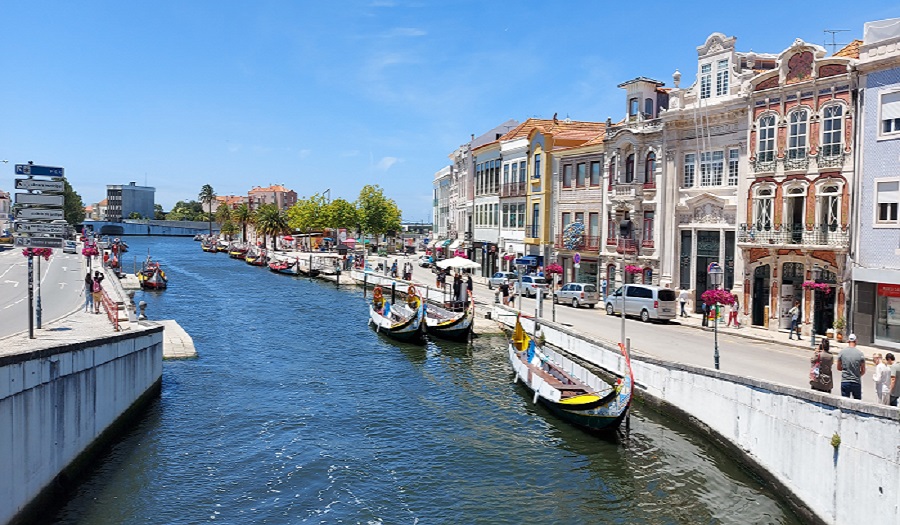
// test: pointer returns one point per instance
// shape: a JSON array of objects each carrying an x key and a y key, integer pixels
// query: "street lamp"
[
  {"x": 816, "y": 274},
  {"x": 716, "y": 274}
]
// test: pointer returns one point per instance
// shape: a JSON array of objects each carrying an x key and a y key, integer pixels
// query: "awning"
[
  {"x": 454, "y": 245},
  {"x": 448, "y": 242},
  {"x": 434, "y": 243}
]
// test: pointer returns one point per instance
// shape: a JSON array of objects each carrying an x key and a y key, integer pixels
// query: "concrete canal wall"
[
  {"x": 60, "y": 404},
  {"x": 151, "y": 227},
  {"x": 787, "y": 435}
]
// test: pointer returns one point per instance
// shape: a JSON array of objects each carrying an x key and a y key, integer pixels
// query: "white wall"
[
  {"x": 54, "y": 402},
  {"x": 784, "y": 430}
]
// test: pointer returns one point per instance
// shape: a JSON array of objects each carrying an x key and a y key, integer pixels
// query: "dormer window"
[
  {"x": 721, "y": 77},
  {"x": 648, "y": 107},
  {"x": 705, "y": 80},
  {"x": 633, "y": 107}
]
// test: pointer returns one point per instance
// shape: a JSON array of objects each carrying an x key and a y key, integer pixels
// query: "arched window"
[
  {"x": 762, "y": 209},
  {"x": 765, "y": 151},
  {"x": 612, "y": 172},
  {"x": 829, "y": 212},
  {"x": 629, "y": 168},
  {"x": 633, "y": 107},
  {"x": 832, "y": 130},
  {"x": 611, "y": 277},
  {"x": 795, "y": 212},
  {"x": 648, "y": 275},
  {"x": 650, "y": 168},
  {"x": 797, "y": 134}
]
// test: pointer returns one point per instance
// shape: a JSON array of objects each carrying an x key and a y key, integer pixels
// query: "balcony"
[
  {"x": 764, "y": 163},
  {"x": 585, "y": 243},
  {"x": 828, "y": 158},
  {"x": 628, "y": 246},
  {"x": 626, "y": 191},
  {"x": 650, "y": 185},
  {"x": 533, "y": 231},
  {"x": 799, "y": 163},
  {"x": 647, "y": 243},
  {"x": 513, "y": 189},
  {"x": 795, "y": 234}
]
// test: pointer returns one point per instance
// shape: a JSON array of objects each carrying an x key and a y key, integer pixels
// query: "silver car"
[
  {"x": 69, "y": 247},
  {"x": 577, "y": 294},
  {"x": 529, "y": 285},
  {"x": 500, "y": 278}
]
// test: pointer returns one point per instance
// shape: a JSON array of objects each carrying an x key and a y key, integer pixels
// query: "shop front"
[
  {"x": 486, "y": 255},
  {"x": 887, "y": 315},
  {"x": 586, "y": 271}
]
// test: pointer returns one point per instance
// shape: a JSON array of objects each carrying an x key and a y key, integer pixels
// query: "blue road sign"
[{"x": 33, "y": 169}]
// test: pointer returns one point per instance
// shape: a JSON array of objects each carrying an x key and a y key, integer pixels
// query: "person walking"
[
  {"x": 894, "y": 390},
  {"x": 705, "y": 321},
  {"x": 882, "y": 378},
  {"x": 794, "y": 312},
  {"x": 733, "y": 311},
  {"x": 852, "y": 364},
  {"x": 682, "y": 300},
  {"x": 97, "y": 292},
  {"x": 88, "y": 292},
  {"x": 504, "y": 293},
  {"x": 820, "y": 377}
]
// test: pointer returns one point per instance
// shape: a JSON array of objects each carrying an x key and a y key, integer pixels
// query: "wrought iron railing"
[
  {"x": 626, "y": 246},
  {"x": 513, "y": 189},
  {"x": 647, "y": 243},
  {"x": 533, "y": 231},
  {"x": 796, "y": 163},
  {"x": 585, "y": 243},
  {"x": 764, "y": 162},
  {"x": 795, "y": 234},
  {"x": 827, "y": 158}
]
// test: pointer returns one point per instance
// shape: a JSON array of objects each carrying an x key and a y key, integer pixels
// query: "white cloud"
[
  {"x": 405, "y": 31},
  {"x": 386, "y": 162}
]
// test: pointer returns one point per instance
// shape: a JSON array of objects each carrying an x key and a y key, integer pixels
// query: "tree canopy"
[
  {"x": 207, "y": 197},
  {"x": 307, "y": 214},
  {"x": 73, "y": 206},
  {"x": 378, "y": 215},
  {"x": 340, "y": 213}
]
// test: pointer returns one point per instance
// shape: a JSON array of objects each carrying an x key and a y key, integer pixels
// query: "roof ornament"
[{"x": 676, "y": 78}]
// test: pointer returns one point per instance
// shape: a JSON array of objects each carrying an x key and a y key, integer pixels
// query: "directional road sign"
[
  {"x": 39, "y": 184},
  {"x": 40, "y": 214},
  {"x": 40, "y": 199},
  {"x": 31, "y": 169},
  {"x": 39, "y": 242},
  {"x": 40, "y": 227}
]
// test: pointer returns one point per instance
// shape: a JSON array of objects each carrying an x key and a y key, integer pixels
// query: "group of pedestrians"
[
  {"x": 93, "y": 291},
  {"x": 851, "y": 363}
]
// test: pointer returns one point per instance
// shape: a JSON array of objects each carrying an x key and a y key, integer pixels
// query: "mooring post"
[
  {"x": 393, "y": 292},
  {"x": 365, "y": 282}
]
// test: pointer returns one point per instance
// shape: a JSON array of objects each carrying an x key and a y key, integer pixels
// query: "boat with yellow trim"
[
  {"x": 404, "y": 321},
  {"x": 449, "y": 324},
  {"x": 569, "y": 390}
]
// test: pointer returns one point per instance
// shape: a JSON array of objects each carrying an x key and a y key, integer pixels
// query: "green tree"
[
  {"x": 271, "y": 221},
  {"x": 135, "y": 215},
  {"x": 229, "y": 229},
  {"x": 223, "y": 214},
  {"x": 207, "y": 197},
  {"x": 243, "y": 216},
  {"x": 378, "y": 215},
  {"x": 158, "y": 212},
  {"x": 340, "y": 213},
  {"x": 307, "y": 215},
  {"x": 73, "y": 207}
]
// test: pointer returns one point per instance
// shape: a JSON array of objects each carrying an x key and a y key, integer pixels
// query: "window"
[
  {"x": 629, "y": 169},
  {"x": 887, "y": 198},
  {"x": 594, "y": 224},
  {"x": 890, "y": 113},
  {"x": 612, "y": 171},
  {"x": 721, "y": 77},
  {"x": 829, "y": 207},
  {"x": 718, "y": 165},
  {"x": 766, "y": 133},
  {"x": 648, "y": 107},
  {"x": 515, "y": 172},
  {"x": 633, "y": 106},
  {"x": 797, "y": 134},
  {"x": 705, "y": 80},
  {"x": 506, "y": 174},
  {"x": 567, "y": 176},
  {"x": 690, "y": 161},
  {"x": 579, "y": 217},
  {"x": 706, "y": 168},
  {"x": 650, "y": 167},
  {"x": 505, "y": 223},
  {"x": 521, "y": 223},
  {"x": 522, "y": 171},
  {"x": 595, "y": 173},
  {"x": 734, "y": 157},
  {"x": 762, "y": 209},
  {"x": 580, "y": 174},
  {"x": 832, "y": 127},
  {"x": 648, "y": 226},
  {"x": 566, "y": 219},
  {"x": 537, "y": 165},
  {"x": 535, "y": 220},
  {"x": 610, "y": 228}
]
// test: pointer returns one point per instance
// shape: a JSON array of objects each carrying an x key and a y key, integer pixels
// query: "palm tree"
[
  {"x": 242, "y": 215},
  {"x": 207, "y": 197},
  {"x": 271, "y": 221}
]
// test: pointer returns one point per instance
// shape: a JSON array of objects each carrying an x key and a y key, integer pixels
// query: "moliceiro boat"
[
  {"x": 283, "y": 266},
  {"x": 450, "y": 324},
  {"x": 256, "y": 257},
  {"x": 573, "y": 393},
  {"x": 151, "y": 276},
  {"x": 402, "y": 321}
]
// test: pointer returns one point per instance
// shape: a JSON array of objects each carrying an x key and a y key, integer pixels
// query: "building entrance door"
[
  {"x": 760, "y": 295},
  {"x": 823, "y": 317},
  {"x": 707, "y": 252},
  {"x": 792, "y": 275}
]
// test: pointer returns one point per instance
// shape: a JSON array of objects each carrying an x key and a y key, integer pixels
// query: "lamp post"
[
  {"x": 816, "y": 274},
  {"x": 716, "y": 274}
]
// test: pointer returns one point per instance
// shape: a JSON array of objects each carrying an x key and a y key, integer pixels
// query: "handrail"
[{"x": 112, "y": 309}]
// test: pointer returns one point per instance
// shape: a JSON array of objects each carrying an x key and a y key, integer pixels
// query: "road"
[
  {"x": 61, "y": 281},
  {"x": 769, "y": 361}
]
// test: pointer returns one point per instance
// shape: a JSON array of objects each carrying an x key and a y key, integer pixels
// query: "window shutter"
[
  {"x": 888, "y": 192},
  {"x": 890, "y": 106}
]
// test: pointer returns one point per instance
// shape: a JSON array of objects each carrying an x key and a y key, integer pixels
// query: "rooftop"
[
  {"x": 271, "y": 189},
  {"x": 851, "y": 50},
  {"x": 641, "y": 79}
]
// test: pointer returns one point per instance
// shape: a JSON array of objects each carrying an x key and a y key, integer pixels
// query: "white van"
[{"x": 644, "y": 301}]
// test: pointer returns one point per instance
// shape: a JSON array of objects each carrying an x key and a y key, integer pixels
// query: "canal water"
[{"x": 297, "y": 412}]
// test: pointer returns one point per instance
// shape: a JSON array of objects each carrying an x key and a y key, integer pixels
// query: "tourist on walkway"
[
  {"x": 882, "y": 378},
  {"x": 820, "y": 377},
  {"x": 705, "y": 321},
  {"x": 733, "y": 311},
  {"x": 682, "y": 300},
  {"x": 97, "y": 292},
  {"x": 394, "y": 269},
  {"x": 88, "y": 292},
  {"x": 894, "y": 391},
  {"x": 504, "y": 293},
  {"x": 794, "y": 312},
  {"x": 852, "y": 364}
]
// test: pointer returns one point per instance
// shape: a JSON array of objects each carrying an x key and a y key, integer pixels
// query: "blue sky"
[{"x": 320, "y": 95}]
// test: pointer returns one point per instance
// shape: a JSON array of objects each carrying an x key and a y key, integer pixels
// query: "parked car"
[
  {"x": 425, "y": 261},
  {"x": 577, "y": 294},
  {"x": 70, "y": 247},
  {"x": 529, "y": 285},
  {"x": 501, "y": 277},
  {"x": 645, "y": 301}
]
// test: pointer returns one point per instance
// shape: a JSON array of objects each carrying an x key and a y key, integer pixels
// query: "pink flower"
[{"x": 553, "y": 268}]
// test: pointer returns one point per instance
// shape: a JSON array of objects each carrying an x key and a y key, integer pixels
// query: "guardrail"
[{"x": 112, "y": 310}]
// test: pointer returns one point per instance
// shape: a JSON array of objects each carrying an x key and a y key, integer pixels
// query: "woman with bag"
[{"x": 820, "y": 374}]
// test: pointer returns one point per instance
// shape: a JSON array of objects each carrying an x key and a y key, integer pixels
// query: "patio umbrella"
[
  {"x": 288, "y": 238},
  {"x": 459, "y": 263}
]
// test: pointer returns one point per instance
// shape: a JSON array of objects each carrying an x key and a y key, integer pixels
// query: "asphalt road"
[
  {"x": 61, "y": 282},
  {"x": 768, "y": 361}
]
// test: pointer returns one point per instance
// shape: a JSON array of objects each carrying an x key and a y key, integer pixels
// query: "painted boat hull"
[
  {"x": 411, "y": 330},
  {"x": 453, "y": 329}
]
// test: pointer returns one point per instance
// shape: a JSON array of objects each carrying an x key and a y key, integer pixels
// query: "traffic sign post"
[
  {"x": 40, "y": 185},
  {"x": 30, "y": 298},
  {"x": 42, "y": 214},
  {"x": 40, "y": 199},
  {"x": 44, "y": 171},
  {"x": 39, "y": 242},
  {"x": 40, "y": 227}
]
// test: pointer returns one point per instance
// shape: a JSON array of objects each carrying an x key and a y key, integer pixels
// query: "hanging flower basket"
[
  {"x": 509, "y": 257},
  {"x": 38, "y": 252},
  {"x": 553, "y": 269},
  {"x": 812, "y": 285},
  {"x": 90, "y": 250},
  {"x": 712, "y": 297},
  {"x": 632, "y": 269}
]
